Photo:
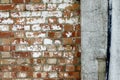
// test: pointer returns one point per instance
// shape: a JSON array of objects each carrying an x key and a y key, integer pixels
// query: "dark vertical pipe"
[{"x": 109, "y": 37}]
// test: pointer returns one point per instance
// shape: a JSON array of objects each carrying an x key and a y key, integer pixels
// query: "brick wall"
[{"x": 40, "y": 40}]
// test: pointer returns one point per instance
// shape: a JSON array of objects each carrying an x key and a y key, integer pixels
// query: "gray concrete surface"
[
  {"x": 94, "y": 37},
  {"x": 115, "y": 43}
]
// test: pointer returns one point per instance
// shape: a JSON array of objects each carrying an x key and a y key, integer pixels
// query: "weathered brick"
[
  {"x": 6, "y": 21},
  {"x": 20, "y": 27},
  {"x": 4, "y": 14},
  {"x": 20, "y": 1},
  {"x": 40, "y": 40},
  {"x": 19, "y": 20},
  {"x": 5, "y": 54},
  {"x": 4, "y": 27},
  {"x": 5, "y": 1},
  {"x": 7, "y": 7},
  {"x": 52, "y": 61},
  {"x": 70, "y": 68},
  {"x": 5, "y": 41},
  {"x": 52, "y": 1},
  {"x": 35, "y": 7},
  {"x": 52, "y": 20},
  {"x": 35, "y": 34},
  {"x": 35, "y": 20},
  {"x": 21, "y": 54},
  {"x": 54, "y": 35},
  {"x": 56, "y": 27},
  {"x": 20, "y": 7},
  {"x": 51, "y": 14},
  {"x": 74, "y": 20},
  {"x": 51, "y": 6},
  {"x": 19, "y": 34},
  {"x": 68, "y": 34},
  {"x": 67, "y": 41},
  {"x": 7, "y": 61},
  {"x": 36, "y": 1},
  {"x": 6, "y": 34},
  {"x": 73, "y": 7}
]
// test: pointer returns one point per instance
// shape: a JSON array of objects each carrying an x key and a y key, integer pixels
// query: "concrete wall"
[
  {"x": 94, "y": 37},
  {"x": 115, "y": 43}
]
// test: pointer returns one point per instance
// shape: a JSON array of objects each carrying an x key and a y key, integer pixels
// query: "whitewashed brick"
[
  {"x": 48, "y": 41},
  {"x": 36, "y": 27},
  {"x": 63, "y": 6},
  {"x": 6, "y": 21},
  {"x": 4, "y": 27},
  {"x": 35, "y": 20},
  {"x": 34, "y": 7},
  {"x": 4, "y": 14}
]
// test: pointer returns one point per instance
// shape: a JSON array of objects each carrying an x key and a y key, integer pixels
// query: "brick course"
[{"x": 40, "y": 40}]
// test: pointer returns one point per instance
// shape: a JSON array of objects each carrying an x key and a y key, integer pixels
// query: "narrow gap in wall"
[{"x": 109, "y": 37}]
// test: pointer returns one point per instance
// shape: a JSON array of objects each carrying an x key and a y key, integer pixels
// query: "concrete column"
[
  {"x": 94, "y": 36},
  {"x": 115, "y": 43}
]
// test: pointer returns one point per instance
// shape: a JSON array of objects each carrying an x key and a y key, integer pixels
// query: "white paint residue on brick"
[
  {"x": 44, "y": 14},
  {"x": 4, "y": 28},
  {"x": 56, "y": 27},
  {"x": 72, "y": 20},
  {"x": 51, "y": 20},
  {"x": 27, "y": 27},
  {"x": 53, "y": 75},
  {"x": 57, "y": 42},
  {"x": 29, "y": 34},
  {"x": 46, "y": 27},
  {"x": 66, "y": 75},
  {"x": 7, "y": 21},
  {"x": 68, "y": 34},
  {"x": 68, "y": 1},
  {"x": 42, "y": 48},
  {"x": 36, "y": 54},
  {"x": 36, "y": 13},
  {"x": 22, "y": 74},
  {"x": 4, "y": 14},
  {"x": 35, "y": 20},
  {"x": 51, "y": 6},
  {"x": 37, "y": 68},
  {"x": 23, "y": 42},
  {"x": 56, "y": 1},
  {"x": 63, "y": 6},
  {"x": 60, "y": 20},
  {"x": 47, "y": 68},
  {"x": 36, "y": 27},
  {"x": 57, "y": 13},
  {"x": 42, "y": 35},
  {"x": 47, "y": 41}
]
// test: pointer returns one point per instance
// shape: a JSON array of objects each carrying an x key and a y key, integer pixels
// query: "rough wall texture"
[
  {"x": 40, "y": 40},
  {"x": 93, "y": 38}
]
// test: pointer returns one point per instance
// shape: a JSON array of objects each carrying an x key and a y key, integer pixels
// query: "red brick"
[
  {"x": 70, "y": 68},
  {"x": 67, "y": 41},
  {"x": 7, "y": 7},
  {"x": 20, "y": 1},
  {"x": 52, "y": 20},
  {"x": 77, "y": 27},
  {"x": 5, "y": 48},
  {"x": 73, "y": 7},
  {"x": 68, "y": 27},
  {"x": 78, "y": 41},
  {"x": 6, "y": 34},
  {"x": 76, "y": 33},
  {"x": 54, "y": 35},
  {"x": 36, "y": 1},
  {"x": 21, "y": 54}
]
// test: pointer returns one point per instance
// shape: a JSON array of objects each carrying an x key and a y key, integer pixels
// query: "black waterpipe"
[{"x": 109, "y": 38}]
